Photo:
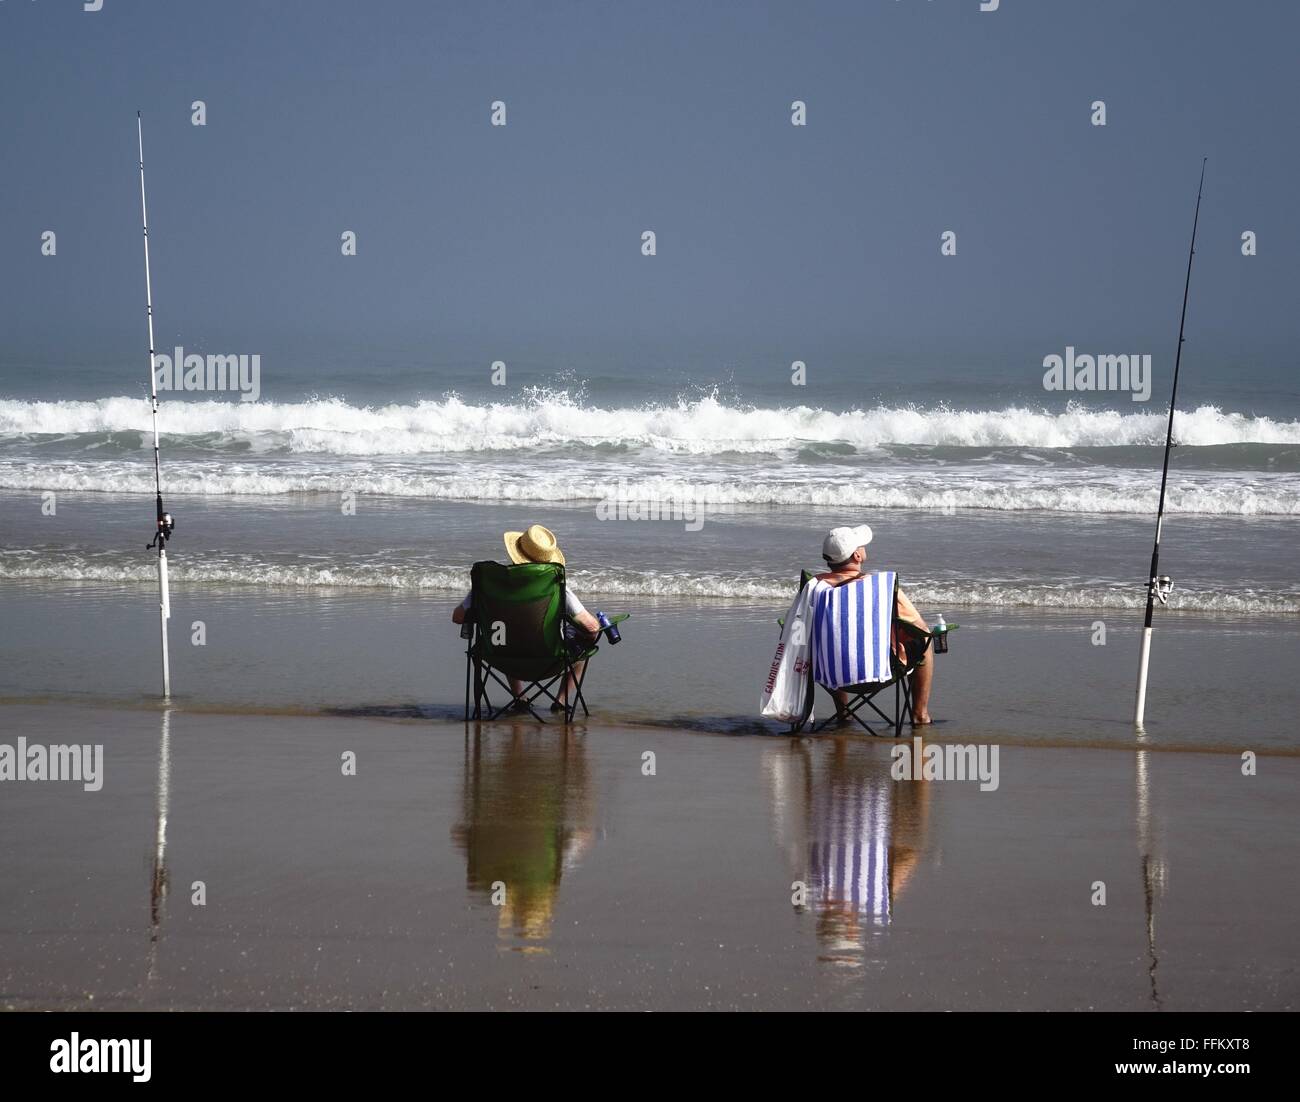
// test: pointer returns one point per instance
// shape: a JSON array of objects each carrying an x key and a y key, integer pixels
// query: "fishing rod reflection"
[
  {"x": 1151, "y": 856},
  {"x": 526, "y": 818},
  {"x": 851, "y": 833},
  {"x": 159, "y": 880}
]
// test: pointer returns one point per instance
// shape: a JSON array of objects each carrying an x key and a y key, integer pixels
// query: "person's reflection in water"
[
  {"x": 850, "y": 832},
  {"x": 526, "y": 815}
]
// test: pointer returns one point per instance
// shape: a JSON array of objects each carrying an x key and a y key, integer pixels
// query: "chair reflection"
[
  {"x": 851, "y": 833},
  {"x": 526, "y": 818}
]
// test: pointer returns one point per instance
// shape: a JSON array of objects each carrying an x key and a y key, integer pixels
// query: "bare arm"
[
  {"x": 587, "y": 622},
  {"x": 458, "y": 615},
  {"x": 907, "y": 611}
]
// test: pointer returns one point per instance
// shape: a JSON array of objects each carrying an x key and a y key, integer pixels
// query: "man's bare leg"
[
  {"x": 842, "y": 706},
  {"x": 517, "y": 688},
  {"x": 921, "y": 682}
]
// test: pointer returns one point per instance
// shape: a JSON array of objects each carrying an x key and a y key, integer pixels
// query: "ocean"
[{"x": 716, "y": 481}]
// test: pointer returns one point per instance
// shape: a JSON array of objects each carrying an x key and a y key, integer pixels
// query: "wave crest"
[{"x": 699, "y": 426}]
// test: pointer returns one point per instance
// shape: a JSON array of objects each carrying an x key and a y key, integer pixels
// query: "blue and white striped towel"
[{"x": 851, "y": 631}]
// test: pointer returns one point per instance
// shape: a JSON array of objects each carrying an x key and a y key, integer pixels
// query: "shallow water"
[
  {"x": 1027, "y": 675},
  {"x": 953, "y": 560},
  {"x": 518, "y": 866}
]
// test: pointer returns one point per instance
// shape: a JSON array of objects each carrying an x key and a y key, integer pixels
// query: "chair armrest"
[{"x": 913, "y": 638}]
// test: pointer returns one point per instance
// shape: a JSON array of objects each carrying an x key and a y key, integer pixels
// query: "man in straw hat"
[{"x": 538, "y": 544}]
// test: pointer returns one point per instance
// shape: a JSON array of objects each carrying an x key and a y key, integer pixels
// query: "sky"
[{"x": 477, "y": 241}]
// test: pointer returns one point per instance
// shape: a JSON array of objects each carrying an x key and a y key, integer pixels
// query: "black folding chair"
[{"x": 863, "y": 697}]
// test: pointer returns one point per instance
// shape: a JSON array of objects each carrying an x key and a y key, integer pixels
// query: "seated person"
[
  {"x": 845, "y": 552},
  {"x": 538, "y": 544}
]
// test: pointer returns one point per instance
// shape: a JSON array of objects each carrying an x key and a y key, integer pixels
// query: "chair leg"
[
  {"x": 542, "y": 691},
  {"x": 835, "y": 712},
  {"x": 528, "y": 696},
  {"x": 578, "y": 698},
  {"x": 863, "y": 701},
  {"x": 855, "y": 710},
  {"x": 534, "y": 692},
  {"x": 799, "y": 724},
  {"x": 481, "y": 691}
]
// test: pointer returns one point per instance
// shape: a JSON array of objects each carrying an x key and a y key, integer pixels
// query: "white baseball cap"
[{"x": 840, "y": 543}]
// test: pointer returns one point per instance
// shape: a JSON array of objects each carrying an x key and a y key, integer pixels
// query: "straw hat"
[{"x": 538, "y": 544}]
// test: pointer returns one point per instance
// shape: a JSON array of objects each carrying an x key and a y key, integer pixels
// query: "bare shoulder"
[{"x": 838, "y": 579}]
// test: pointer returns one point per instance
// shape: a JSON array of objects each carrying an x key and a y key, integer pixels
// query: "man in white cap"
[
  {"x": 538, "y": 544},
  {"x": 845, "y": 552}
]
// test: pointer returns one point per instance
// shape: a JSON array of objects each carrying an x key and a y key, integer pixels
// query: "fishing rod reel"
[
  {"x": 165, "y": 526},
  {"x": 1159, "y": 588}
]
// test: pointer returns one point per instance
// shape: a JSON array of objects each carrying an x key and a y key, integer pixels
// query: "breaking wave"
[{"x": 549, "y": 419}]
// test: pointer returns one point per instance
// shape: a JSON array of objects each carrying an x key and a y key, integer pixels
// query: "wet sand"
[
  {"x": 628, "y": 891},
  {"x": 1017, "y": 675}
]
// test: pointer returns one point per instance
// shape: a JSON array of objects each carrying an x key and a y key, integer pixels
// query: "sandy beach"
[
  {"x": 1022, "y": 674},
  {"x": 519, "y": 865},
  {"x": 516, "y": 865},
  {"x": 631, "y": 891}
]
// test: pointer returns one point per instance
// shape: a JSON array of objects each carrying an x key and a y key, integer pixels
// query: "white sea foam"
[
  {"x": 985, "y": 487},
  {"x": 212, "y": 569},
  {"x": 704, "y": 426}
]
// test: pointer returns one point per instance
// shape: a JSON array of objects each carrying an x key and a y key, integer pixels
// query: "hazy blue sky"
[{"x": 923, "y": 116}]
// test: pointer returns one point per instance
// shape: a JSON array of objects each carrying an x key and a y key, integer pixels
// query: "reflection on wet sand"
[
  {"x": 1155, "y": 869},
  {"x": 159, "y": 880},
  {"x": 850, "y": 832},
  {"x": 526, "y": 817}
]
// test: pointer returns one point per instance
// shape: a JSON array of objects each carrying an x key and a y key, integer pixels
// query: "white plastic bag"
[{"x": 786, "y": 690}]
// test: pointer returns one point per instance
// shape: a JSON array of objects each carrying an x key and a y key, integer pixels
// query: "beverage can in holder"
[{"x": 610, "y": 630}]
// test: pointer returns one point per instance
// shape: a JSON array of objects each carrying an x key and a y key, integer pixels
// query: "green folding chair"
[{"x": 516, "y": 621}]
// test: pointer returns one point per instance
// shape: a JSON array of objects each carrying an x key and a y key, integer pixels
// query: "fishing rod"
[
  {"x": 1158, "y": 586},
  {"x": 165, "y": 523}
]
